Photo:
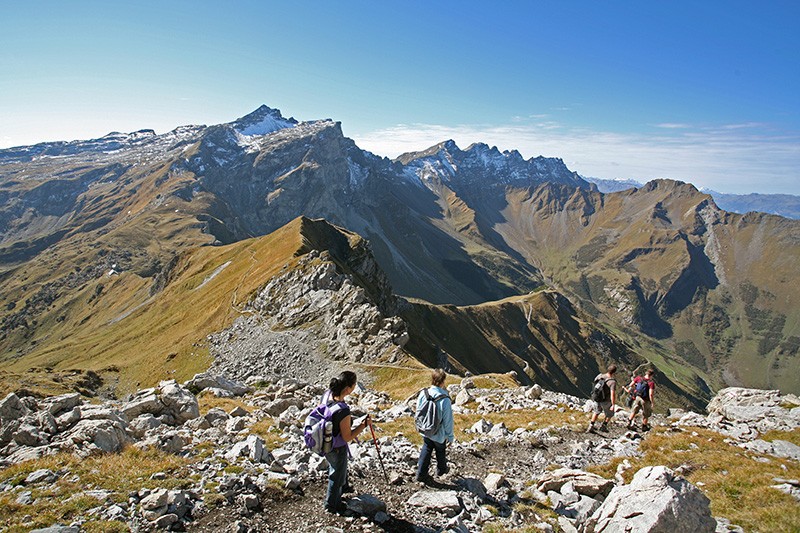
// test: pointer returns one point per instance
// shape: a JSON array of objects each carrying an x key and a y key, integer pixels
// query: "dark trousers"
[
  {"x": 424, "y": 463},
  {"x": 337, "y": 476}
]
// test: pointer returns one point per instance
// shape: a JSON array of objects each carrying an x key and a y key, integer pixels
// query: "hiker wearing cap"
[
  {"x": 340, "y": 387},
  {"x": 642, "y": 389},
  {"x": 604, "y": 394},
  {"x": 435, "y": 402}
]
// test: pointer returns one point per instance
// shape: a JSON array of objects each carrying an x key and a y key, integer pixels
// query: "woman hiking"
[
  {"x": 340, "y": 387},
  {"x": 442, "y": 436}
]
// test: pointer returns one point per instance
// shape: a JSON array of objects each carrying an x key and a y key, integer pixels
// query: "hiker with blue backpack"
[
  {"x": 604, "y": 396},
  {"x": 434, "y": 420},
  {"x": 327, "y": 431},
  {"x": 642, "y": 390}
]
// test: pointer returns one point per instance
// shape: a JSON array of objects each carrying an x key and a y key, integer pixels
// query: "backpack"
[
  {"x": 599, "y": 389},
  {"x": 642, "y": 389},
  {"x": 318, "y": 428},
  {"x": 429, "y": 415}
]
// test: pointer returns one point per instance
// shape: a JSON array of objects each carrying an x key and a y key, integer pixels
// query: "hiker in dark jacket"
[
  {"x": 642, "y": 389},
  {"x": 340, "y": 387},
  {"x": 436, "y": 442},
  {"x": 608, "y": 405}
]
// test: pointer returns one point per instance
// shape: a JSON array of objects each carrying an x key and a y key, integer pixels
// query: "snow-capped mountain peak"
[{"x": 263, "y": 121}]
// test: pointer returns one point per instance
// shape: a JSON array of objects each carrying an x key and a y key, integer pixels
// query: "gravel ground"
[{"x": 302, "y": 510}]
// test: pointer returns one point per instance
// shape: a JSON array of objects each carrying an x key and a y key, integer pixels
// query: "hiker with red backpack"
[
  {"x": 642, "y": 390},
  {"x": 434, "y": 420},
  {"x": 604, "y": 395},
  {"x": 337, "y": 435}
]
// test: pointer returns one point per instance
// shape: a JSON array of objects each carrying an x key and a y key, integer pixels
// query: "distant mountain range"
[
  {"x": 125, "y": 254},
  {"x": 785, "y": 205}
]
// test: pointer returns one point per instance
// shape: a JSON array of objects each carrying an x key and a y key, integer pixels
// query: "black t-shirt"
[{"x": 337, "y": 418}]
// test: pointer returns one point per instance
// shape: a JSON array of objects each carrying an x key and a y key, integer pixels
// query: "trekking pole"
[{"x": 378, "y": 449}]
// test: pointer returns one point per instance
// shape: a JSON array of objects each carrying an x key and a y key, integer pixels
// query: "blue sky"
[{"x": 705, "y": 92}]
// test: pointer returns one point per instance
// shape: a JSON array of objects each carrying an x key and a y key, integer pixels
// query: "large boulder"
[
  {"x": 444, "y": 501},
  {"x": 143, "y": 402},
  {"x": 252, "y": 447},
  {"x": 762, "y": 409},
  {"x": 59, "y": 404},
  {"x": 169, "y": 400},
  {"x": 583, "y": 482},
  {"x": 366, "y": 505},
  {"x": 12, "y": 410},
  {"x": 656, "y": 501},
  {"x": 106, "y": 435},
  {"x": 179, "y": 401},
  {"x": 778, "y": 448}
]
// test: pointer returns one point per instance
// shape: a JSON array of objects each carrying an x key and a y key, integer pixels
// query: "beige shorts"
[
  {"x": 604, "y": 408},
  {"x": 640, "y": 404}
]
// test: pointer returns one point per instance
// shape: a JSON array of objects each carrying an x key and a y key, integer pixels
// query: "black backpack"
[{"x": 599, "y": 389}]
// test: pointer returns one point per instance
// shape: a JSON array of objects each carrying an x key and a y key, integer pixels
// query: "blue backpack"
[{"x": 642, "y": 389}]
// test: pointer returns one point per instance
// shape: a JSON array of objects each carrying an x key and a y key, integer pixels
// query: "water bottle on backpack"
[{"x": 327, "y": 440}]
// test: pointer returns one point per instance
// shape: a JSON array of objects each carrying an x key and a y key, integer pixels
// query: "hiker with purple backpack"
[{"x": 341, "y": 434}]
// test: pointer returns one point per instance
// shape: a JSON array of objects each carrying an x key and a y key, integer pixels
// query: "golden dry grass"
[
  {"x": 513, "y": 419},
  {"x": 736, "y": 483},
  {"x": 64, "y": 500},
  {"x": 401, "y": 382},
  {"x": 41, "y": 382},
  {"x": 153, "y": 339},
  {"x": 495, "y": 381},
  {"x": 789, "y": 436},
  {"x": 266, "y": 429},
  {"x": 208, "y": 401}
]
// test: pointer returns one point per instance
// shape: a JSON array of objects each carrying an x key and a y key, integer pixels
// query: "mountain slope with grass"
[
  {"x": 94, "y": 232},
  {"x": 117, "y": 326}
]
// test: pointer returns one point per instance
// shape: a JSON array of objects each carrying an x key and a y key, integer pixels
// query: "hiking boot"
[
  {"x": 604, "y": 427},
  {"x": 443, "y": 472},
  {"x": 590, "y": 429},
  {"x": 338, "y": 510},
  {"x": 348, "y": 489},
  {"x": 645, "y": 427},
  {"x": 631, "y": 426},
  {"x": 424, "y": 479}
]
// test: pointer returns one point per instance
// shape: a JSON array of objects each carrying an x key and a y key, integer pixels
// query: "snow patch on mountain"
[
  {"x": 358, "y": 174},
  {"x": 266, "y": 125}
]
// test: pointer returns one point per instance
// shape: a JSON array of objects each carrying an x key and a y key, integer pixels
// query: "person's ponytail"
[{"x": 342, "y": 381}]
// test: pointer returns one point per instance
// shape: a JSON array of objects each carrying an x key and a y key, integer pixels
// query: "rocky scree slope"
[
  {"x": 500, "y": 477},
  {"x": 333, "y": 305}
]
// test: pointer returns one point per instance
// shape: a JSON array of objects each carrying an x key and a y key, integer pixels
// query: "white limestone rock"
[{"x": 656, "y": 500}]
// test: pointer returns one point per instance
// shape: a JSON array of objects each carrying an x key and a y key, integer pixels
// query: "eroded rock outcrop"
[{"x": 311, "y": 314}]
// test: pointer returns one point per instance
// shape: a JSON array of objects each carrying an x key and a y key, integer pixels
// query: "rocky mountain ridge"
[
  {"x": 785, "y": 205},
  {"x": 500, "y": 476},
  {"x": 699, "y": 292}
]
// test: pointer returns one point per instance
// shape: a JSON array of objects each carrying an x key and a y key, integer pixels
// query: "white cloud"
[
  {"x": 672, "y": 125},
  {"x": 735, "y": 160}
]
